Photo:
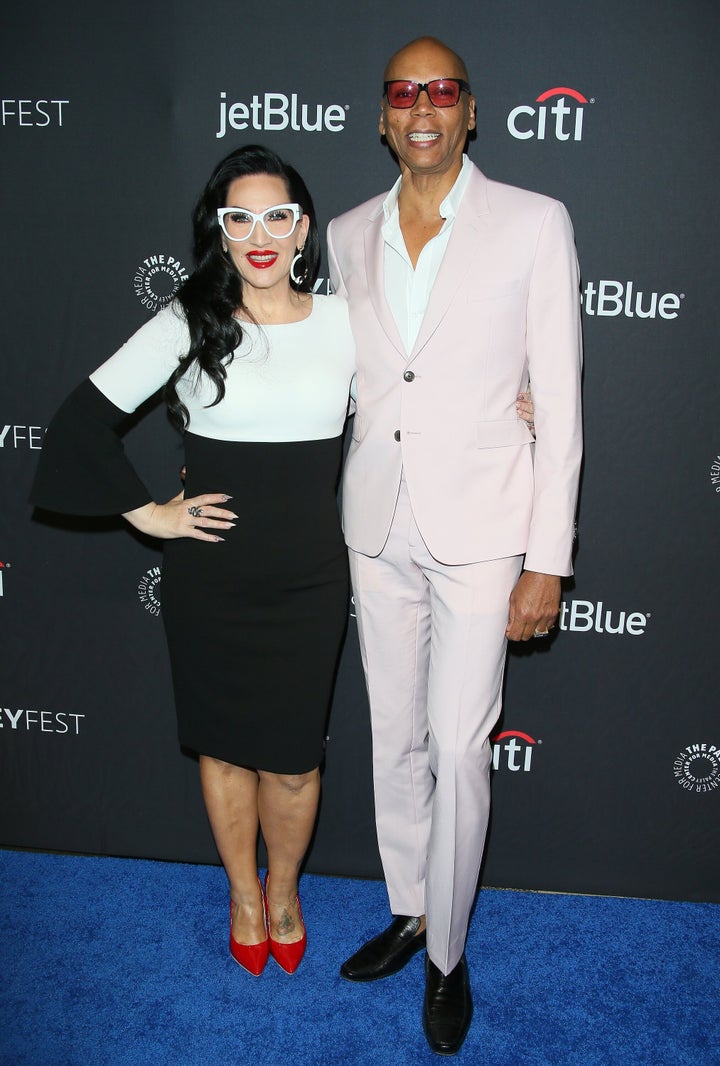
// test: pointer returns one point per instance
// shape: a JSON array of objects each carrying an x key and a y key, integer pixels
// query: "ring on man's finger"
[{"x": 195, "y": 511}]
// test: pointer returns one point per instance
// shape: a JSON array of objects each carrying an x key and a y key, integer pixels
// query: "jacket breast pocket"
[{"x": 494, "y": 291}]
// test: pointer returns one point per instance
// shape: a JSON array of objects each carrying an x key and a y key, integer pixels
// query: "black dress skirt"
[{"x": 255, "y": 623}]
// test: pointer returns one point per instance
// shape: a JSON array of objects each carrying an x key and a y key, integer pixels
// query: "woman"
[{"x": 256, "y": 372}]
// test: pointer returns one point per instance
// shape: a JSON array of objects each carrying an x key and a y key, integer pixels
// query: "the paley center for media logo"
[
  {"x": 556, "y": 113},
  {"x": 157, "y": 279},
  {"x": 697, "y": 767},
  {"x": 715, "y": 473},
  {"x": 148, "y": 591}
]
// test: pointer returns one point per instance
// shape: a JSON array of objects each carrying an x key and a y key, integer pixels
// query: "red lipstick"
[{"x": 261, "y": 260}]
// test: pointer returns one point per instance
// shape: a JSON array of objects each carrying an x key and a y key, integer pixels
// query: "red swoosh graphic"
[
  {"x": 513, "y": 733},
  {"x": 562, "y": 91}
]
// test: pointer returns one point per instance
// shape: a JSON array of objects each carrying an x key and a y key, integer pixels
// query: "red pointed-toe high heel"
[
  {"x": 287, "y": 956},
  {"x": 252, "y": 957}
]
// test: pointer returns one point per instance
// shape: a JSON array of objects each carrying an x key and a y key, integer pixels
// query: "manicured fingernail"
[{"x": 226, "y": 498}]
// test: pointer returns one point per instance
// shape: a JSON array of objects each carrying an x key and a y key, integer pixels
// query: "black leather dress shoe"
[
  {"x": 387, "y": 953},
  {"x": 448, "y": 1008}
]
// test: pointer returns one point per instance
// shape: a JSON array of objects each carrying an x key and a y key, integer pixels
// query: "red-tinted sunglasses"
[{"x": 442, "y": 92}]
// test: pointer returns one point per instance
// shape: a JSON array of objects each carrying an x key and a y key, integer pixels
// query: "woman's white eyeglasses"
[{"x": 237, "y": 223}]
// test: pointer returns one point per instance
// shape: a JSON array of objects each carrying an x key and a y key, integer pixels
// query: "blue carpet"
[{"x": 124, "y": 962}]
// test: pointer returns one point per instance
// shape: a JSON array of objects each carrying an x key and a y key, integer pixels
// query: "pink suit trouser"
[{"x": 432, "y": 638}]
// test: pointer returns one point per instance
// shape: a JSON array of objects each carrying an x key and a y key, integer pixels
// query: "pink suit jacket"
[{"x": 505, "y": 308}]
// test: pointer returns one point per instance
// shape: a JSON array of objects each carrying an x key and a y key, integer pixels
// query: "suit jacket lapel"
[
  {"x": 375, "y": 273},
  {"x": 464, "y": 247}
]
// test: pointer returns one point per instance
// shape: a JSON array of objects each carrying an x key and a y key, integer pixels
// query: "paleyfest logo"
[
  {"x": 24, "y": 720},
  {"x": 157, "y": 279},
  {"x": 32, "y": 112},
  {"x": 20, "y": 437},
  {"x": 553, "y": 117},
  {"x": 697, "y": 768}
]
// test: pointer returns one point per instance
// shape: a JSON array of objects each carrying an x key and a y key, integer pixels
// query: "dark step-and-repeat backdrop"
[{"x": 607, "y": 758}]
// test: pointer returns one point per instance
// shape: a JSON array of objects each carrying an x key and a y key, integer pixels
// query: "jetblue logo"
[
  {"x": 582, "y": 616},
  {"x": 559, "y": 114},
  {"x": 609, "y": 299},
  {"x": 276, "y": 111}
]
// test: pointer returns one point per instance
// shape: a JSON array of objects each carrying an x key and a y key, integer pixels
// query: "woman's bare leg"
[
  {"x": 231, "y": 800},
  {"x": 287, "y": 806}
]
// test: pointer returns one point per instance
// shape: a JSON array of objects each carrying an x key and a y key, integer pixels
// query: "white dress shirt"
[{"x": 407, "y": 290}]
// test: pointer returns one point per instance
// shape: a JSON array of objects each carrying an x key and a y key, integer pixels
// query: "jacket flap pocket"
[{"x": 503, "y": 434}]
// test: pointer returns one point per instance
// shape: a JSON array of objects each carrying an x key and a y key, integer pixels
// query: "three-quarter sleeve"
[{"x": 83, "y": 468}]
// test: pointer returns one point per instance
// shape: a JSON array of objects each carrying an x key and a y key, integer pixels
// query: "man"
[{"x": 460, "y": 291}]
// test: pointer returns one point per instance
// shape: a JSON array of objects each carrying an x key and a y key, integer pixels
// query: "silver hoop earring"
[{"x": 301, "y": 263}]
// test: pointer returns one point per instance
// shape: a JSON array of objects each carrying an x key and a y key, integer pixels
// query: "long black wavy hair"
[{"x": 214, "y": 291}]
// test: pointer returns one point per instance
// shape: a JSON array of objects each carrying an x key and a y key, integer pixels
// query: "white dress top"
[{"x": 285, "y": 382}]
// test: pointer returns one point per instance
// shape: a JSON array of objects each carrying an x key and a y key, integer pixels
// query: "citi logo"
[
  {"x": 582, "y": 616},
  {"x": 608, "y": 299},
  {"x": 562, "y": 120},
  {"x": 3, "y": 568},
  {"x": 276, "y": 111},
  {"x": 517, "y": 749}
]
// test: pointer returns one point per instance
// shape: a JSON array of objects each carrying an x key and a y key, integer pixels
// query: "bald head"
[{"x": 423, "y": 50}]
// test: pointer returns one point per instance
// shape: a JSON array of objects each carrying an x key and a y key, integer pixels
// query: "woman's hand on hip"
[{"x": 198, "y": 517}]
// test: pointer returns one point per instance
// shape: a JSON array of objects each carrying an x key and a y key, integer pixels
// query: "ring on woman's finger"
[
  {"x": 195, "y": 512},
  {"x": 541, "y": 633}
]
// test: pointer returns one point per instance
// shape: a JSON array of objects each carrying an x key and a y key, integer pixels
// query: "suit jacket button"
[
  {"x": 396, "y": 434},
  {"x": 409, "y": 376}
]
